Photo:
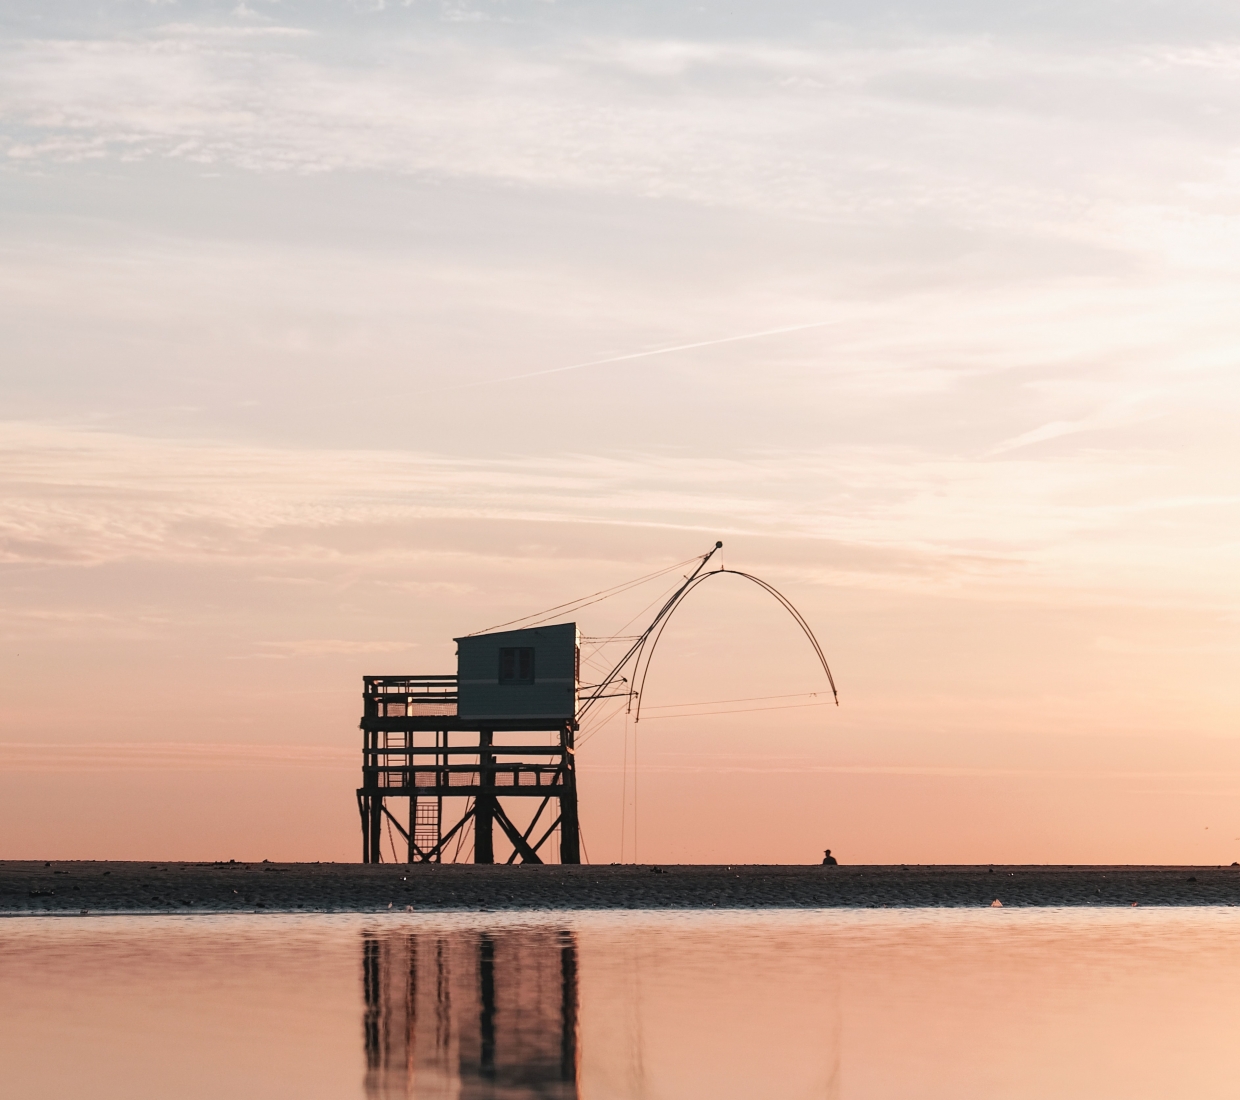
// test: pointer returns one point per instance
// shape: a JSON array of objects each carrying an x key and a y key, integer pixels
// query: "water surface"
[{"x": 860, "y": 1004}]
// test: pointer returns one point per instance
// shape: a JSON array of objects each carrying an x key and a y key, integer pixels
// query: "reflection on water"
[
  {"x": 1006, "y": 1004},
  {"x": 470, "y": 1014}
]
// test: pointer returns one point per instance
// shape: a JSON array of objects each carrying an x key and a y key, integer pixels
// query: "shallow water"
[{"x": 859, "y": 1004}]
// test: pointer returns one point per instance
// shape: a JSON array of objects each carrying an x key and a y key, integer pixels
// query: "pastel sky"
[{"x": 323, "y": 339}]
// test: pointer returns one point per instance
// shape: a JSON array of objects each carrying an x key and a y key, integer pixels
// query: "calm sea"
[{"x": 1097, "y": 1003}]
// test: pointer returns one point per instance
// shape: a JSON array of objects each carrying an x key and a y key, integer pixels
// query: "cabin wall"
[{"x": 551, "y": 695}]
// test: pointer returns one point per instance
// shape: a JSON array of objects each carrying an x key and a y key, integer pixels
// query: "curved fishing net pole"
[
  {"x": 614, "y": 677},
  {"x": 641, "y": 667}
]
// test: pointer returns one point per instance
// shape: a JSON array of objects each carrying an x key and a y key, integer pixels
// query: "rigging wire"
[
  {"x": 749, "y": 699},
  {"x": 588, "y": 661},
  {"x": 599, "y": 725},
  {"x": 743, "y": 710},
  {"x": 637, "y": 648},
  {"x": 637, "y": 637},
  {"x": 596, "y": 726},
  {"x": 460, "y": 836},
  {"x": 583, "y": 601}
]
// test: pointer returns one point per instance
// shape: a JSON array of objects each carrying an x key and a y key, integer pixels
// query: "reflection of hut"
[{"x": 479, "y": 1016}]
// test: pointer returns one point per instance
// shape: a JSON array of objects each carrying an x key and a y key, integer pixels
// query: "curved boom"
[{"x": 642, "y": 650}]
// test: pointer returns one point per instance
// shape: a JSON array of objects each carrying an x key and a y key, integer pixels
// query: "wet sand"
[{"x": 35, "y": 887}]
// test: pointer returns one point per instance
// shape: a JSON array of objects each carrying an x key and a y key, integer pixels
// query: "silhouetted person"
[{"x": 828, "y": 860}]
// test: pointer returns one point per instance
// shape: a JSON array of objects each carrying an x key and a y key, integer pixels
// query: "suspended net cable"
[
  {"x": 568, "y": 608},
  {"x": 742, "y": 710},
  {"x": 621, "y": 706},
  {"x": 747, "y": 699},
  {"x": 619, "y": 635}
]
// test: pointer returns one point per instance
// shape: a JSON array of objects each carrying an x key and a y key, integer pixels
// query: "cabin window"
[{"x": 516, "y": 664}]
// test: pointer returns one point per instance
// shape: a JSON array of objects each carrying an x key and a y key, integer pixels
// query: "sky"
[{"x": 330, "y": 331}]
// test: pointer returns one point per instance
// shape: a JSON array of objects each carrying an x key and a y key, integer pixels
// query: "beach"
[{"x": 72, "y": 887}]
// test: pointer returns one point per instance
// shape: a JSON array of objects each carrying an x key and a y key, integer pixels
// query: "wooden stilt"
[
  {"x": 570, "y": 833},
  {"x": 484, "y": 813}
]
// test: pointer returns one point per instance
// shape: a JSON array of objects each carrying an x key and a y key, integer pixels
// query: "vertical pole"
[
  {"x": 570, "y": 838},
  {"x": 374, "y": 800},
  {"x": 366, "y": 796},
  {"x": 411, "y": 778},
  {"x": 484, "y": 811},
  {"x": 441, "y": 781},
  {"x": 376, "y": 827},
  {"x": 363, "y": 799}
]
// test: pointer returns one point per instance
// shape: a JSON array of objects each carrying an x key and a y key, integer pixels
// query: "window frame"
[{"x": 517, "y": 654}]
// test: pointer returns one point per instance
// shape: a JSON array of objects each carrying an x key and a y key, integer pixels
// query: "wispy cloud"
[
  {"x": 328, "y": 647},
  {"x": 80, "y": 497},
  {"x": 1132, "y": 408},
  {"x": 827, "y": 125}
]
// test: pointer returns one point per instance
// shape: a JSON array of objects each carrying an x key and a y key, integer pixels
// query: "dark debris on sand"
[{"x": 36, "y": 887}]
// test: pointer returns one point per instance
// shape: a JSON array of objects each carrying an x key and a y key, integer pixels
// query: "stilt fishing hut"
[{"x": 437, "y": 739}]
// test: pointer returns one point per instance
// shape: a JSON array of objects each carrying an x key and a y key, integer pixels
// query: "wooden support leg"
[
  {"x": 363, "y": 805},
  {"x": 484, "y": 813},
  {"x": 376, "y": 828},
  {"x": 484, "y": 819},
  {"x": 570, "y": 836},
  {"x": 570, "y": 833}
]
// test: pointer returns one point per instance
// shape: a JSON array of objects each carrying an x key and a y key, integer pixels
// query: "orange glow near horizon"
[{"x": 937, "y": 753}]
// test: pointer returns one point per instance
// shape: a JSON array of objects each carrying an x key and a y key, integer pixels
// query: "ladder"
[{"x": 426, "y": 820}]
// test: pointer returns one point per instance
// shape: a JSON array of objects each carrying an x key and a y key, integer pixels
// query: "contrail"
[{"x": 632, "y": 355}]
